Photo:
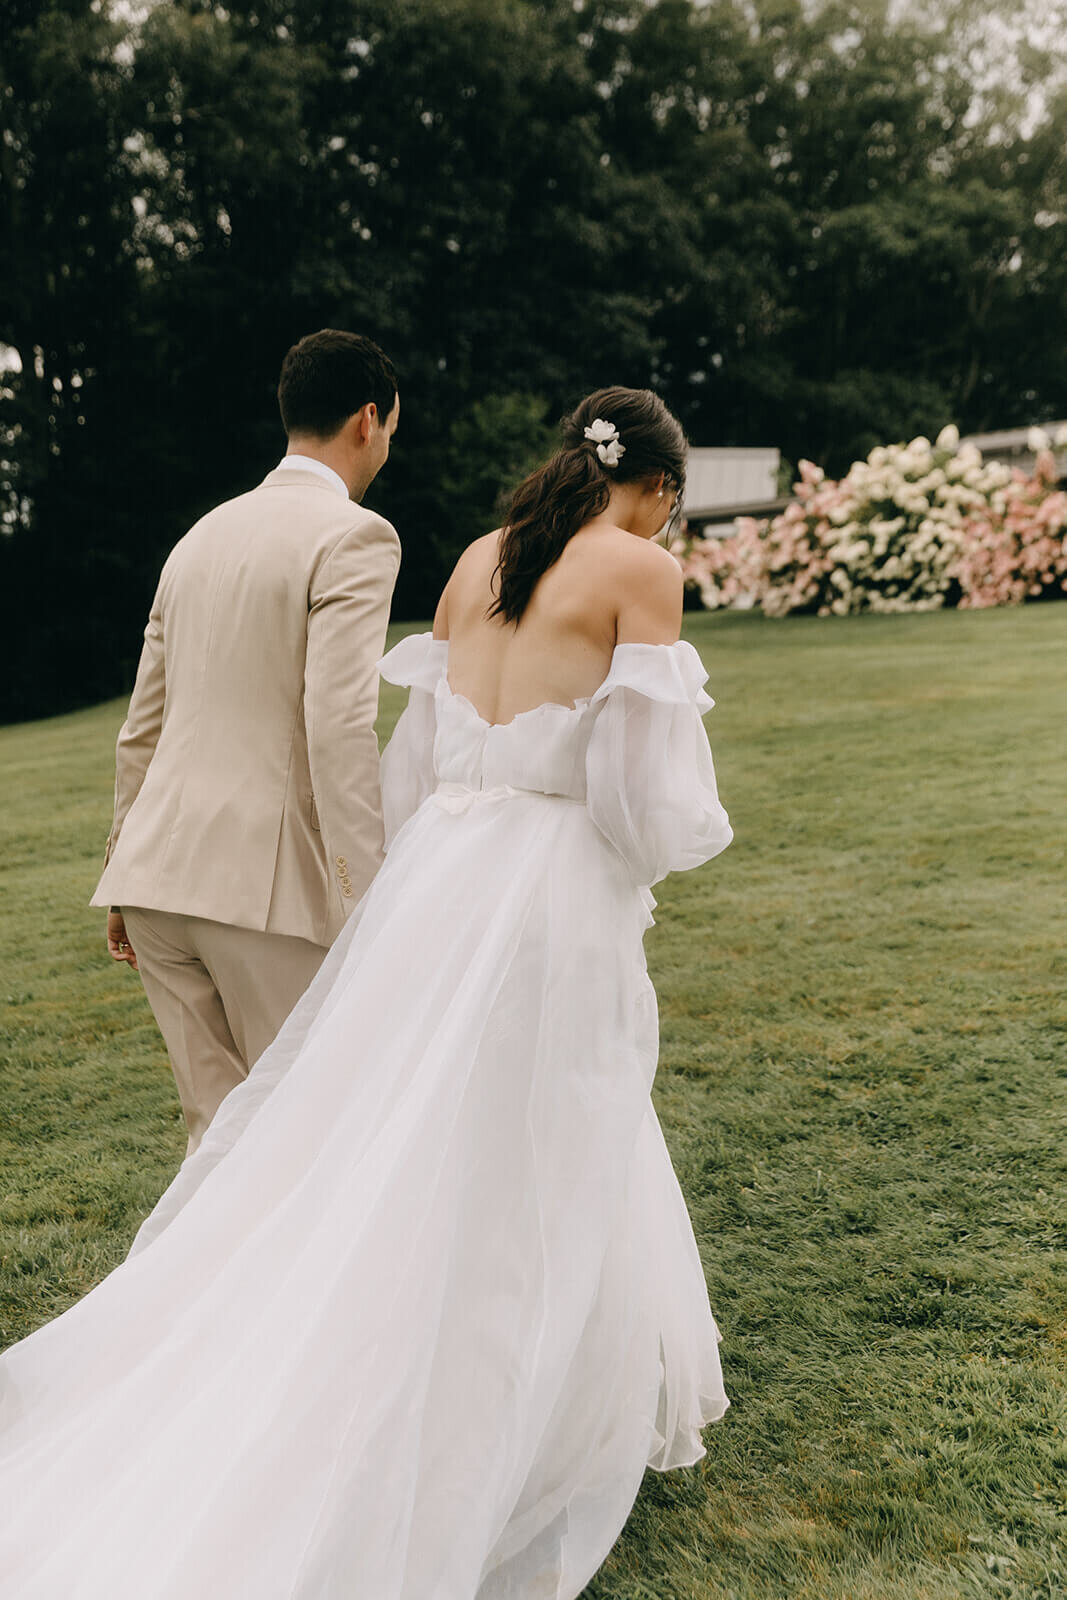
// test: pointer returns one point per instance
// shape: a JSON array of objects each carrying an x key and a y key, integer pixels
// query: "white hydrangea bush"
[{"x": 913, "y": 527}]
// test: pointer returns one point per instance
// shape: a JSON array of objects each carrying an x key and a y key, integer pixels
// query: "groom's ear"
[
  {"x": 368, "y": 416},
  {"x": 357, "y": 429}
]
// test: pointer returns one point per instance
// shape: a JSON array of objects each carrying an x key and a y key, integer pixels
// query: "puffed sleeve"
[
  {"x": 417, "y": 663},
  {"x": 650, "y": 777}
]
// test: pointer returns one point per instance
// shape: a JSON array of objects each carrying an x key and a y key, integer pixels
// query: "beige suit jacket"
[{"x": 247, "y": 786}]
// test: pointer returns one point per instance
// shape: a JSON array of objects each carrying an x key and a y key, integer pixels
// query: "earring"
[{"x": 659, "y": 495}]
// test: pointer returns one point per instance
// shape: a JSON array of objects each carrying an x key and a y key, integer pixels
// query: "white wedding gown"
[{"x": 414, "y": 1319}]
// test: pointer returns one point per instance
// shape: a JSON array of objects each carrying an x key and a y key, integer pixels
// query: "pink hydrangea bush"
[
  {"x": 912, "y": 528},
  {"x": 729, "y": 573},
  {"x": 1016, "y": 549}
]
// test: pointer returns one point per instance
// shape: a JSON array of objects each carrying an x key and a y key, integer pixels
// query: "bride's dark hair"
[{"x": 572, "y": 487}]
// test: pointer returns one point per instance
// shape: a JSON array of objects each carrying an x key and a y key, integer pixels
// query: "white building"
[{"x": 730, "y": 482}]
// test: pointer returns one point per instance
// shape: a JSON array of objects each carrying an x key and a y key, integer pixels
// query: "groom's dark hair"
[{"x": 330, "y": 375}]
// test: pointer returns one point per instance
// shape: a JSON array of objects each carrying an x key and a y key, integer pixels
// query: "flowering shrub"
[
  {"x": 1016, "y": 549},
  {"x": 912, "y": 528}
]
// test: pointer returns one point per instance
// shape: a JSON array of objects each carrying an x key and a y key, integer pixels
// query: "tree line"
[{"x": 811, "y": 225}]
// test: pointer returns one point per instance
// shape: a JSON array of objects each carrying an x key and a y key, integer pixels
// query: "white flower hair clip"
[{"x": 605, "y": 435}]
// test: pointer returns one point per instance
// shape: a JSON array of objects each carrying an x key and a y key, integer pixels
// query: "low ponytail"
[
  {"x": 547, "y": 509},
  {"x": 574, "y": 486}
]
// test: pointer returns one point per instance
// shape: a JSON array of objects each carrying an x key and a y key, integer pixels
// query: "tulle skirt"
[{"x": 413, "y": 1321}]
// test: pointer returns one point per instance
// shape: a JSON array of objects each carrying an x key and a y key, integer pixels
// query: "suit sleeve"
[
  {"x": 349, "y": 600},
  {"x": 139, "y": 734}
]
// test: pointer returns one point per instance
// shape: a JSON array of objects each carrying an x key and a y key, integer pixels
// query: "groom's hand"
[{"x": 119, "y": 946}]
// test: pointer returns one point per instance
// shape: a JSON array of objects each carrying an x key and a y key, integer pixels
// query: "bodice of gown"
[{"x": 634, "y": 753}]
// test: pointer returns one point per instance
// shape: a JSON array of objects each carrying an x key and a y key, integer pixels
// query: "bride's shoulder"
[
  {"x": 478, "y": 554},
  {"x": 645, "y": 557},
  {"x": 627, "y": 552},
  {"x": 646, "y": 591},
  {"x": 467, "y": 583},
  {"x": 638, "y": 564}
]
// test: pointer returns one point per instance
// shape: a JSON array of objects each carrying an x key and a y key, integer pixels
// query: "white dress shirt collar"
[{"x": 309, "y": 464}]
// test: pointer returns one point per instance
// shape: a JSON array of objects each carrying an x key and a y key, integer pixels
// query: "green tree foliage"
[
  {"x": 814, "y": 226},
  {"x": 491, "y": 447},
  {"x": 67, "y": 294}
]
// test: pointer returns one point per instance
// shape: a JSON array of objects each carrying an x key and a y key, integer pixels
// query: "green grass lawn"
[{"x": 862, "y": 1084}]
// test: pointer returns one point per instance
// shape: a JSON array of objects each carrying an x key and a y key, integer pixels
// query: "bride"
[{"x": 426, "y": 1302}]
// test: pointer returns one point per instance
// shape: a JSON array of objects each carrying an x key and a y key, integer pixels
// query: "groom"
[{"x": 247, "y": 805}]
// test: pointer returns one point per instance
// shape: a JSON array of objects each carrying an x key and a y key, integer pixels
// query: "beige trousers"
[{"x": 220, "y": 994}]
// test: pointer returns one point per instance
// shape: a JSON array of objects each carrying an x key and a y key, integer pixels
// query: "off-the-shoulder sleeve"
[
  {"x": 417, "y": 663},
  {"x": 650, "y": 776}
]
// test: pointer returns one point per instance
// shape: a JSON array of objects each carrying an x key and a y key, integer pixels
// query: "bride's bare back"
[{"x": 608, "y": 587}]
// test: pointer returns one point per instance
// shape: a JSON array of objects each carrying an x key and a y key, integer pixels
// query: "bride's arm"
[
  {"x": 649, "y": 604},
  {"x": 440, "y": 616},
  {"x": 651, "y": 786}
]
